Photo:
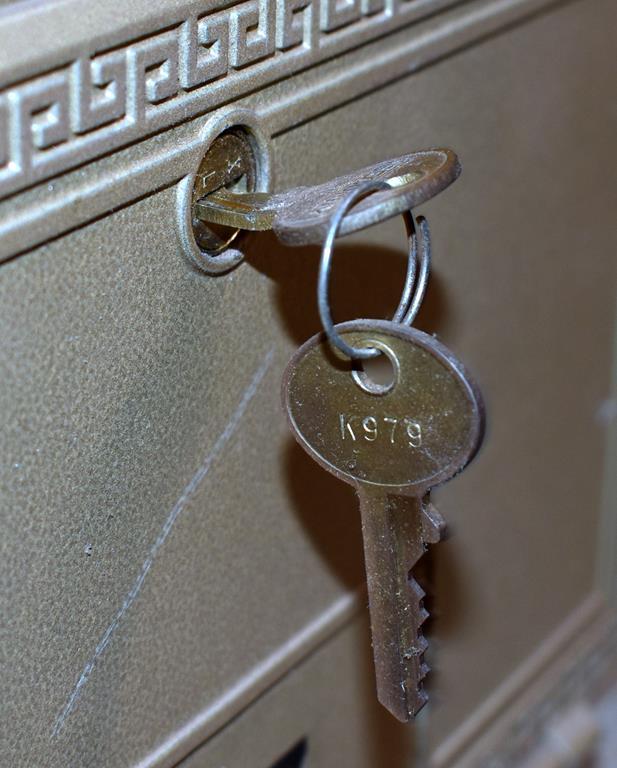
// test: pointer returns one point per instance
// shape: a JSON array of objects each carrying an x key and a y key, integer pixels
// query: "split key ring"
[{"x": 416, "y": 278}]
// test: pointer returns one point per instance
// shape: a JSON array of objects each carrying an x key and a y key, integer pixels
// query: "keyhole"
[{"x": 230, "y": 163}]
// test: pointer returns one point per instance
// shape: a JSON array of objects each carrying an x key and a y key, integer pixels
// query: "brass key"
[
  {"x": 302, "y": 215},
  {"x": 393, "y": 443}
]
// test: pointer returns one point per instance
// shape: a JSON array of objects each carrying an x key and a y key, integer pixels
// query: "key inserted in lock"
[
  {"x": 301, "y": 216},
  {"x": 228, "y": 166}
]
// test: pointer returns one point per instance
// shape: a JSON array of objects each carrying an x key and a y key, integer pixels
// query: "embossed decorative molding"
[
  {"x": 47, "y": 211},
  {"x": 104, "y": 100}
]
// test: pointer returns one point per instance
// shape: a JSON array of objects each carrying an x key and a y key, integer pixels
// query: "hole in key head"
[{"x": 378, "y": 375}]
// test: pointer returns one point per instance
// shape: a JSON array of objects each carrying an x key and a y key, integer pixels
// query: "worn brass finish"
[
  {"x": 397, "y": 530},
  {"x": 432, "y": 389},
  {"x": 393, "y": 443},
  {"x": 228, "y": 159},
  {"x": 180, "y": 579},
  {"x": 301, "y": 216},
  {"x": 228, "y": 164}
]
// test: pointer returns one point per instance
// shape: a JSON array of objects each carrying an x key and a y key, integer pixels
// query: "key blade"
[
  {"x": 396, "y": 531},
  {"x": 251, "y": 211}
]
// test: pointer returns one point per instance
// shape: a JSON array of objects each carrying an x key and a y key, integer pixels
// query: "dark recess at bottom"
[{"x": 295, "y": 758}]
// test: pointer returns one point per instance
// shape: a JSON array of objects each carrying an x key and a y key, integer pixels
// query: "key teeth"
[
  {"x": 420, "y": 695},
  {"x": 418, "y": 650},
  {"x": 434, "y": 526},
  {"x": 420, "y": 702},
  {"x": 420, "y": 593}
]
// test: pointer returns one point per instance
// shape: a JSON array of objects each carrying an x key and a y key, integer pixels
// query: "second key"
[{"x": 393, "y": 442}]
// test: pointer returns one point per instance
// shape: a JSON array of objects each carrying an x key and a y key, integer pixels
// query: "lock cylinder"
[
  {"x": 228, "y": 164},
  {"x": 234, "y": 159}
]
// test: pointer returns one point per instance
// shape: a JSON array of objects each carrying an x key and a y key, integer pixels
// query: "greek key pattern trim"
[{"x": 99, "y": 103}]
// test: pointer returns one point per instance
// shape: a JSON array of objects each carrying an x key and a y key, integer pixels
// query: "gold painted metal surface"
[{"x": 129, "y": 426}]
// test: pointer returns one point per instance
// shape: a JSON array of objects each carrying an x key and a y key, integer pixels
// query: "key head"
[{"x": 410, "y": 436}]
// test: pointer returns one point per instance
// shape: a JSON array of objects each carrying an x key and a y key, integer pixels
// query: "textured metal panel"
[
  {"x": 330, "y": 724},
  {"x": 166, "y": 553},
  {"x": 148, "y": 567}
]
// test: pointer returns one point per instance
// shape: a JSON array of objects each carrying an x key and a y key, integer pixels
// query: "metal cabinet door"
[{"x": 170, "y": 558}]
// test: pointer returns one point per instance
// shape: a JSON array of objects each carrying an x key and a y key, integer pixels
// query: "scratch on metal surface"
[{"x": 177, "y": 509}]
